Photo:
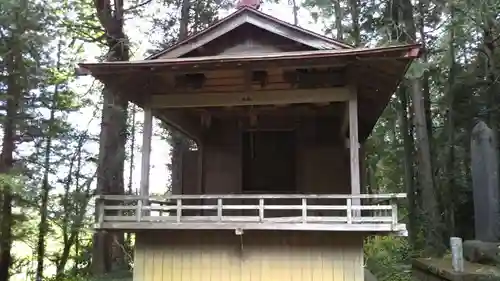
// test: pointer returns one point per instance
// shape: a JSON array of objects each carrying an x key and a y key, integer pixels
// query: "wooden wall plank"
[
  {"x": 215, "y": 265},
  {"x": 245, "y": 261},
  {"x": 206, "y": 258},
  {"x": 139, "y": 260},
  {"x": 329, "y": 258},
  {"x": 316, "y": 263},
  {"x": 149, "y": 264},
  {"x": 185, "y": 267},
  {"x": 348, "y": 261},
  {"x": 157, "y": 256},
  {"x": 295, "y": 265},
  {"x": 225, "y": 261},
  {"x": 168, "y": 264},
  {"x": 266, "y": 256},
  {"x": 177, "y": 253},
  {"x": 337, "y": 262}
]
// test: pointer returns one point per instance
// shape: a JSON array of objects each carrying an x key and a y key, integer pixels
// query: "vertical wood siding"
[{"x": 255, "y": 256}]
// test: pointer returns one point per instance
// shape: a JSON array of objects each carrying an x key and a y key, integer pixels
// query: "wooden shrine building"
[{"x": 272, "y": 190}]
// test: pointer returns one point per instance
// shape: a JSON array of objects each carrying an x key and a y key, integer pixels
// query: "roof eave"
[{"x": 407, "y": 51}]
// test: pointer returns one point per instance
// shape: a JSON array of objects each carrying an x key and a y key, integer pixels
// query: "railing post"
[
  {"x": 349, "y": 210},
  {"x": 179, "y": 210},
  {"x": 100, "y": 211},
  {"x": 145, "y": 203},
  {"x": 219, "y": 209},
  {"x": 304, "y": 210},
  {"x": 394, "y": 212},
  {"x": 138, "y": 212},
  {"x": 261, "y": 209}
]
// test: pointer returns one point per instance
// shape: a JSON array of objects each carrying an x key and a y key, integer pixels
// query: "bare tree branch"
[
  {"x": 138, "y": 6},
  {"x": 103, "y": 9}
]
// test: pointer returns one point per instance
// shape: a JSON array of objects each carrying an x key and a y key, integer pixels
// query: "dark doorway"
[{"x": 269, "y": 162}]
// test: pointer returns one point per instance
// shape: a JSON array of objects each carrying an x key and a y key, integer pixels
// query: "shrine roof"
[
  {"x": 249, "y": 41},
  {"x": 375, "y": 72},
  {"x": 220, "y": 61},
  {"x": 256, "y": 18}
]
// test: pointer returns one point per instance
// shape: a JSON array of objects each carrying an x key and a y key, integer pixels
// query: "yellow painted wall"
[{"x": 182, "y": 255}]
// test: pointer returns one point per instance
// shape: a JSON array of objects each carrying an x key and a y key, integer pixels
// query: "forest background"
[{"x": 59, "y": 129}]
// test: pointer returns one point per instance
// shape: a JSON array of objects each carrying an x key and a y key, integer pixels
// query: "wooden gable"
[
  {"x": 249, "y": 31},
  {"x": 248, "y": 39}
]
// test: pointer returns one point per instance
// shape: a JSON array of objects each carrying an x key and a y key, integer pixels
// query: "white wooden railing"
[{"x": 368, "y": 212}]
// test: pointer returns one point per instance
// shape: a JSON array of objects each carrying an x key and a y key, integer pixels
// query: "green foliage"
[
  {"x": 388, "y": 258},
  {"x": 115, "y": 276},
  {"x": 417, "y": 70},
  {"x": 459, "y": 84},
  {"x": 13, "y": 182}
]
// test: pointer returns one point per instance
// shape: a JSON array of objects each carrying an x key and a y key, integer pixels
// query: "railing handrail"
[
  {"x": 174, "y": 212},
  {"x": 252, "y": 196}
]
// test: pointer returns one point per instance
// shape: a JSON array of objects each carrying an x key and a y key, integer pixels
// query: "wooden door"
[{"x": 269, "y": 162}]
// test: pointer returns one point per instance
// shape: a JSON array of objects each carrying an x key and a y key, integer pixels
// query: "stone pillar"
[{"x": 485, "y": 183}]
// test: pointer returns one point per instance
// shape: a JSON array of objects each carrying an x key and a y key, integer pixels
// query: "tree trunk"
[
  {"x": 491, "y": 39},
  {"x": 72, "y": 229},
  {"x": 408, "y": 165},
  {"x": 295, "y": 13},
  {"x": 356, "y": 29},
  {"x": 132, "y": 150},
  {"x": 398, "y": 15},
  {"x": 430, "y": 209},
  {"x": 44, "y": 200},
  {"x": 425, "y": 81},
  {"x": 107, "y": 246},
  {"x": 133, "y": 111},
  {"x": 177, "y": 140},
  {"x": 338, "y": 20},
  {"x": 15, "y": 71},
  {"x": 450, "y": 132},
  {"x": 107, "y": 256},
  {"x": 184, "y": 24}
]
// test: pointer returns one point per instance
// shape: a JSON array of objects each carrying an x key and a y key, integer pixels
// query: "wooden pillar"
[
  {"x": 146, "y": 151},
  {"x": 354, "y": 144}
]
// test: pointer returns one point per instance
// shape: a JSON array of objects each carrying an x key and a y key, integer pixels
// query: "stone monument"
[
  {"x": 485, "y": 183},
  {"x": 483, "y": 253}
]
